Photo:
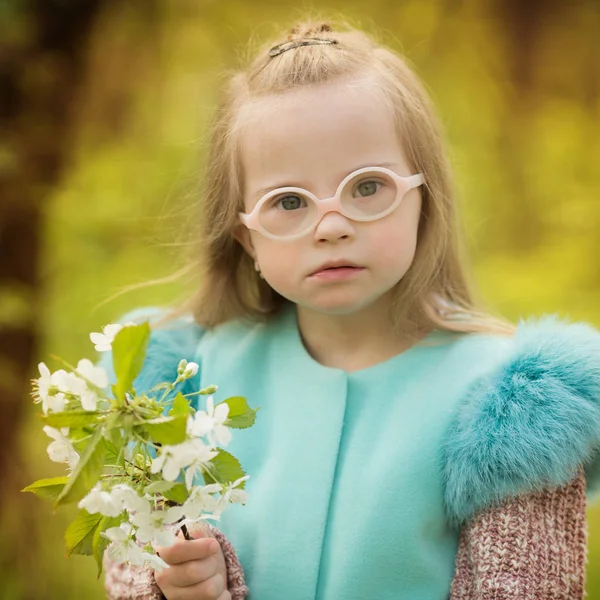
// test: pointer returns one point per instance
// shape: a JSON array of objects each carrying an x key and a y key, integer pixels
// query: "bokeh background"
[{"x": 103, "y": 119}]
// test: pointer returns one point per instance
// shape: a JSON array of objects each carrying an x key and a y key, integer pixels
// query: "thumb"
[{"x": 199, "y": 529}]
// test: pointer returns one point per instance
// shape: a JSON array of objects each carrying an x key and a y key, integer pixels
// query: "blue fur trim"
[
  {"x": 530, "y": 423},
  {"x": 165, "y": 349}
]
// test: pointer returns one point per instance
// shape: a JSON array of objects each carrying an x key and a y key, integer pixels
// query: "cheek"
[
  {"x": 277, "y": 260},
  {"x": 393, "y": 246}
]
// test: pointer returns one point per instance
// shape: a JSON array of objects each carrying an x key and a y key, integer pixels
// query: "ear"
[{"x": 242, "y": 234}]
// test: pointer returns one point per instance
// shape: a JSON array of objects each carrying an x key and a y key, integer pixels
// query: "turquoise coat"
[{"x": 359, "y": 482}]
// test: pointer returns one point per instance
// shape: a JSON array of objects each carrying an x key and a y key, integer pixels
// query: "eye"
[
  {"x": 367, "y": 188},
  {"x": 290, "y": 202}
]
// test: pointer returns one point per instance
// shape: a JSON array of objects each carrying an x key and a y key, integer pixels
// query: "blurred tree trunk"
[
  {"x": 44, "y": 74},
  {"x": 43, "y": 48},
  {"x": 524, "y": 26}
]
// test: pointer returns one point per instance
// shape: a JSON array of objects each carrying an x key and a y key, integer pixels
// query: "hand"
[{"x": 197, "y": 569}]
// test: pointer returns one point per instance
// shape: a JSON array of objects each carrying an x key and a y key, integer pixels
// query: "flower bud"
[
  {"x": 211, "y": 389},
  {"x": 190, "y": 370}
]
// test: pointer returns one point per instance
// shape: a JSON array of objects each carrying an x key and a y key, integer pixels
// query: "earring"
[{"x": 258, "y": 269}]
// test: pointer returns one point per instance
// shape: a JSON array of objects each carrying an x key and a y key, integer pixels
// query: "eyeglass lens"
[{"x": 363, "y": 197}]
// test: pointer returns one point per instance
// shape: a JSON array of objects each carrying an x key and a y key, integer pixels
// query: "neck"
[{"x": 351, "y": 341}]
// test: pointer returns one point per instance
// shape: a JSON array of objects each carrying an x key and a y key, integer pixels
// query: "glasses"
[{"x": 367, "y": 194}]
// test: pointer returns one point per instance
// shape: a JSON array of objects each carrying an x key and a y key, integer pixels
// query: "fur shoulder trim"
[
  {"x": 167, "y": 346},
  {"x": 528, "y": 424}
]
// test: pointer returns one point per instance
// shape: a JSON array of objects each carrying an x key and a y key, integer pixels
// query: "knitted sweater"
[
  {"x": 125, "y": 582},
  {"x": 532, "y": 547},
  {"x": 519, "y": 462}
]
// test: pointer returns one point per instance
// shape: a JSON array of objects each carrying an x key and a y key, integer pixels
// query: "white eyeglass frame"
[{"x": 325, "y": 205}]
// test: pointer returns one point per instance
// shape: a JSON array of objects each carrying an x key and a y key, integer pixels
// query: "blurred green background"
[{"x": 104, "y": 133}]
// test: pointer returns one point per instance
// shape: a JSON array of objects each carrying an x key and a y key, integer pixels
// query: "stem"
[
  {"x": 186, "y": 533},
  {"x": 133, "y": 465},
  {"x": 184, "y": 529},
  {"x": 192, "y": 394},
  {"x": 146, "y": 457},
  {"x": 167, "y": 392},
  {"x": 147, "y": 442},
  {"x": 141, "y": 413}
]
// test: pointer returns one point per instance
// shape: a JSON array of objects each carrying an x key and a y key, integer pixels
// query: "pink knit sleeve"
[
  {"x": 530, "y": 547},
  {"x": 125, "y": 582}
]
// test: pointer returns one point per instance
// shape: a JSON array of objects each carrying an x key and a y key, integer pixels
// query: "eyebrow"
[{"x": 262, "y": 191}]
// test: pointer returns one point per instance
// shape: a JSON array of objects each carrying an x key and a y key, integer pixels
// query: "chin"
[{"x": 337, "y": 306}]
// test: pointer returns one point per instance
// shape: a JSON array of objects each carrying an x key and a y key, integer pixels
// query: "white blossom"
[
  {"x": 70, "y": 383},
  {"x": 61, "y": 449},
  {"x": 95, "y": 375},
  {"x": 174, "y": 458},
  {"x": 122, "y": 547},
  {"x": 190, "y": 370},
  {"x": 186, "y": 369},
  {"x": 203, "y": 455},
  {"x": 100, "y": 501},
  {"x": 201, "y": 500},
  {"x": 159, "y": 526},
  {"x": 129, "y": 499},
  {"x": 89, "y": 400},
  {"x": 155, "y": 562},
  {"x": 210, "y": 423},
  {"x": 232, "y": 494},
  {"x": 46, "y": 389},
  {"x": 190, "y": 473},
  {"x": 103, "y": 341}
]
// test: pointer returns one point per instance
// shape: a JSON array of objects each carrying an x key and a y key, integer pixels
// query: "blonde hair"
[{"x": 435, "y": 292}]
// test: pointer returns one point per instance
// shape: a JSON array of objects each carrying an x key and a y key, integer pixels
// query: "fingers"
[
  {"x": 188, "y": 573},
  {"x": 212, "y": 588},
  {"x": 185, "y": 550},
  {"x": 199, "y": 529}
]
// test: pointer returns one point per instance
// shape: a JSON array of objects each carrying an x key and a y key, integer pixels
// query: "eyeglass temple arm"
[{"x": 415, "y": 180}]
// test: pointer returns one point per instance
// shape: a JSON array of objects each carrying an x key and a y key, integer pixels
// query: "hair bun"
[{"x": 308, "y": 30}]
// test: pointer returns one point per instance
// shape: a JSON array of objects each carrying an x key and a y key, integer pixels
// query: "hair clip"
[{"x": 284, "y": 46}]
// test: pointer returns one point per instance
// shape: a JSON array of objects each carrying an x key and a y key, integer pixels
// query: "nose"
[{"x": 333, "y": 226}]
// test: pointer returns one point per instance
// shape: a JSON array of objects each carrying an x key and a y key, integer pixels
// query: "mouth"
[{"x": 339, "y": 270}]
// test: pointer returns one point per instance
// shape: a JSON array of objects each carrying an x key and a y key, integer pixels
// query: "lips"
[{"x": 335, "y": 265}]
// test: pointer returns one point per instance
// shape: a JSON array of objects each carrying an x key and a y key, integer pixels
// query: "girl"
[{"x": 409, "y": 445}]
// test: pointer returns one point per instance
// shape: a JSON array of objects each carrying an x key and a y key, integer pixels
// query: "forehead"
[{"x": 317, "y": 134}]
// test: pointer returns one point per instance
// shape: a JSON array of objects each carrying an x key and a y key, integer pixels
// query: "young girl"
[{"x": 409, "y": 445}]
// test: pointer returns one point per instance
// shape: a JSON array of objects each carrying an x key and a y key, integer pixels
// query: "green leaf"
[
  {"x": 113, "y": 435},
  {"x": 48, "y": 489},
  {"x": 167, "y": 430},
  {"x": 159, "y": 487},
  {"x": 86, "y": 474},
  {"x": 112, "y": 451},
  {"x": 115, "y": 453},
  {"x": 180, "y": 406},
  {"x": 178, "y": 493},
  {"x": 79, "y": 535},
  {"x": 115, "y": 441},
  {"x": 224, "y": 468},
  {"x": 128, "y": 353},
  {"x": 75, "y": 418},
  {"x": 240, "y": 414},
  {"x": 99, "y": 542}
]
